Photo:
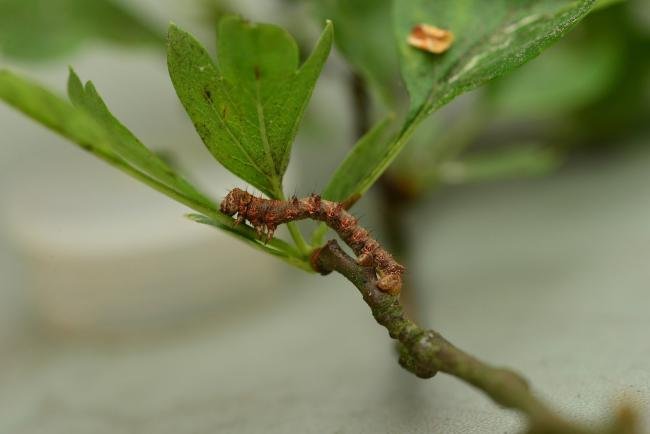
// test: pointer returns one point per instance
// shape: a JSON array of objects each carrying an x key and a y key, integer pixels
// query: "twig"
[
  {"x": 426, "y": 352},
  {"x": 422, "y": 352}
]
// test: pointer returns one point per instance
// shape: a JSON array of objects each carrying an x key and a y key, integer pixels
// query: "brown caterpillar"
[{"x": 265, "y": 215}]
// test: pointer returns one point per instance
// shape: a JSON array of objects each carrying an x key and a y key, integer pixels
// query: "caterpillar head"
[{"x": 234, "y": 200}]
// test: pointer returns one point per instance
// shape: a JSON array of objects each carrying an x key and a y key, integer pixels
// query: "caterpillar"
[{"x": 265, "y": 215}]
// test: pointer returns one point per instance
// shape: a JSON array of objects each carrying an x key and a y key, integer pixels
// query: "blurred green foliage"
[
  {"x": 590, "y": 87},
  {"x": 588, "y": 91},
  {"x": 45, "y": 29},
  {"x": 491, "y": 39},
  {"x": 593, "y": 79},
  {"x": 623, "y": 107},
  {"x": 364, "y": 37}
]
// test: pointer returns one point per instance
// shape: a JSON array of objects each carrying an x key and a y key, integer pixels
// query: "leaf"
[
  {"x": 93, "y": 128},
  {"x": 43, "y": 29},
  {"x": 56, "y": 114},
  {"x": 126, "y": 145},
  {"x": 602, "y": 4},
  {"x": 78, "y": 125},
  {"x": 355, "y": 175},
  {"x": 491, "y": 38},
  {"x": 275, "y": 247},
  {"x": 362, "y": 36},
  {"x": 248, "y": 108}
]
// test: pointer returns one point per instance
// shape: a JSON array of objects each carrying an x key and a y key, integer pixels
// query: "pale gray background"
[{"x": 548, "y": 276}]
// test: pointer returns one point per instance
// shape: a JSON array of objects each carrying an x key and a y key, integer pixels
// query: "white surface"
[{"x": 548, "y": 276}]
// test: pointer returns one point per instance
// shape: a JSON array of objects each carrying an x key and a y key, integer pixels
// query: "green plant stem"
[
  {"x": 361, "y": 102},
  {"x": 299, "y": 239},
  {"x": 393, "y": 200},
  {"x": 426, "y": 352},
  {"x": 303, "y": 247}
]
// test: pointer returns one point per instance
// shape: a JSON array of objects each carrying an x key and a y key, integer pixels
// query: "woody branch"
[
  {"x": 422, "y": 352},
  {"x": 426, "y": 352}
]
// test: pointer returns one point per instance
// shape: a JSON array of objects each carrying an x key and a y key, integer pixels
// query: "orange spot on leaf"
[{"x": 430, "y": 38}]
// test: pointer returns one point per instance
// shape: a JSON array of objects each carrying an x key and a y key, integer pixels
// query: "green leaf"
[
  {"x": 43, "y": 29},
  {"x": 491, "y": 39},
  {"x": 275, "y": 247},
  {"x": 602, "y": 4},
  {"x": 356, "y": 174},
  {"x": 126, "y": 145},
  {"x": 78, "y": 125},
  {"x": 248, "y": 108},
  {"x": 56, "y": 114},
  {"x": 94, "y": 129},
  {"x": 362, "y": 36}
]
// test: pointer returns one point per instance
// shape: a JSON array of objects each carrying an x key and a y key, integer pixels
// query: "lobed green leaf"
[
  {"x": 247, "y": 109},
  {"x": 89, "y": 123},
  {"x": 125, "y": 144},
  {"x": 57, "y": 114}
]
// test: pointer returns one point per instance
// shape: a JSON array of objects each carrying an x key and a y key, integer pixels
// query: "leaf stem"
[
  {"x": 303, "y": 247},
  {"x": 299, "y": 239},
  {"x": 393, "y": 198}
]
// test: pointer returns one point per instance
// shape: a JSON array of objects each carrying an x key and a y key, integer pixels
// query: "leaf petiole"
[
  {"x": 303, "y": 247},
  {"x": 299, "y": 239}
]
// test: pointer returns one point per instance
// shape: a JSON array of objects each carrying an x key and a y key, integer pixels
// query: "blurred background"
[{"x": 522, "y": 210}]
